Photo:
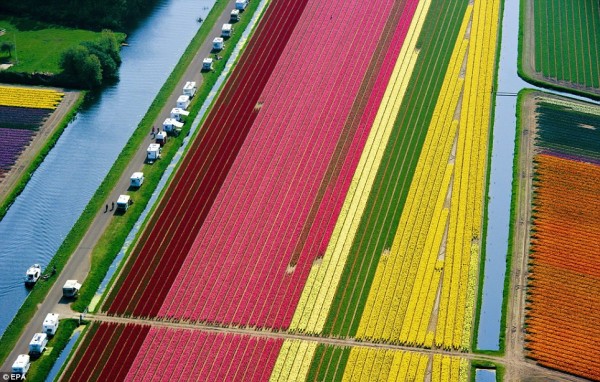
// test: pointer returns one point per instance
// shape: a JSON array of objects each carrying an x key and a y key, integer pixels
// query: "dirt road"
[{"x": 79, "y": 264}]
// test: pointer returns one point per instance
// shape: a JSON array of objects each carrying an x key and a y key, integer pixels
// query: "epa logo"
[{"x": 13, "y": 377}]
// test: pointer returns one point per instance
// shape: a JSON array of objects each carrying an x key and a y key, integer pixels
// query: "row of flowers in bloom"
[
  {"x": 401, "y": 300},
  {"x": 319, "y": 291},
  {"x": 454, "y": 326},
  {"x": 29, "y": 97}
]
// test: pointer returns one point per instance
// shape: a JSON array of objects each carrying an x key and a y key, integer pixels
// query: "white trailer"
[
  {"x": 71, "y": 288},
  {"x": 38, "y": 343},
  {"x": 234, "y": 16},
  {"x": 161, "y": 138},
  {"x": 176, "y": 114},
  {"x": 124, "y": 202},
  {"x": 218, "y": 43},
  {"x": 183, "y": 102},
  {"x": 207, "y": 64},
  {"x": 21, "y": 365},
  {"x": 241, "y": 4},
  {"x": 226, "y": 30},
  {"x": 137, "y": 179},
  {"x": 189, "y": 89},
  {"x": 172, "y": 126},
  {"x": 153, "y": 152},
  {"x": 50, "y": 324}
]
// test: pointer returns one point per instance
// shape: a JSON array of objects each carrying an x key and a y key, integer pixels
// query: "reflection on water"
[{"x": 44, "y": 213}]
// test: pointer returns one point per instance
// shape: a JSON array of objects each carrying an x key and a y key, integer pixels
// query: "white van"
[{"x": 21, "y": 365}]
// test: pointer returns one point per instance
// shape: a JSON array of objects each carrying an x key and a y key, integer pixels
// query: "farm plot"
[
  {"x": 276, "y": 176},
  {"x": 308, "y": 361},
  {"x": 565, "y": 37},
  {"x": 162, "y": 248},
  {"x": 401, "y": 283},
  {"x": 117, "y": 352},
  {"x": 22, "y": 111},
  {"x": 563, "y": 290}
]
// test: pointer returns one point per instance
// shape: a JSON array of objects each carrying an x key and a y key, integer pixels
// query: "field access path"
[
  {"x": 78, "y": 265},
  {"x": 528, "y": 370}
]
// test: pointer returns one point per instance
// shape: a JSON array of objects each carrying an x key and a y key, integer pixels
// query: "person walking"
[
  {"x": 106, "y": 208},
  {"x": 113, "y": 206}
]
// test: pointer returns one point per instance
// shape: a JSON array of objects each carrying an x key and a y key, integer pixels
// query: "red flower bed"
[
  {"x": 241, "y": 266},
  {"x": 162, "y": 249},
  {"x": 183, "y": 355}
]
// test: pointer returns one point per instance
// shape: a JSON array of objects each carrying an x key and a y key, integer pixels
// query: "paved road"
[{"x": 79, "y": 264}]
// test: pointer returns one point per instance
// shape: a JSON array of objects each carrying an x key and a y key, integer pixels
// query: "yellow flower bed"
[
  {"x": 293, "y": 362},
  {"x": 369, "y": 364},
  {"x": 323, "y": 280},
  {"x": 29, "y": 97},
  {"x": 401, "y": 300},
  {"x": 446, "y": 368},
  {"x": 462, "y": 251}
]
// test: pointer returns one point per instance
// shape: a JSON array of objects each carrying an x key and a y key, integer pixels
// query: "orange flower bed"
[{"x": 564, "y": 285}]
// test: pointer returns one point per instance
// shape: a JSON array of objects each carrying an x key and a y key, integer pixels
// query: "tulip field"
[
  {"x": 564, "y": 280},
  {"x": 335, "y": 190},
  {"x": 22, "y": 111},
  {"x": 567, "y": 37}
]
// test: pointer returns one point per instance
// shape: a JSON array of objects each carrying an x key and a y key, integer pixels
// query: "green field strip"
[
  {"x": 566, "y": 40},
  {"x": 378, "y": 225},
  {"x": 569, "y": 131},
  {"x": 329, "y": 363}
]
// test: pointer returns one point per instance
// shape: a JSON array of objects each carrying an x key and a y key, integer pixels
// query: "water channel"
[
  {"x": 59, "y": 190},
  {"x": 509, "y": 83}
]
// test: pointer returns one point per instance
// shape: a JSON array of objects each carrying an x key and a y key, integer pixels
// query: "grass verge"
[{"x": 41, "y": 368}]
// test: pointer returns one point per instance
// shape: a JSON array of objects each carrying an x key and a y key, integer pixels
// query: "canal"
[{"x": 41, "y": 217}]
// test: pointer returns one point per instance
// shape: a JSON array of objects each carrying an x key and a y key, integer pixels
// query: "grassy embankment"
[{"x": 115, "y": 234}]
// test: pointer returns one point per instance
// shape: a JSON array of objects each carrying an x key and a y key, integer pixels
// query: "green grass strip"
[
  {"x": 328, "y": 363},
  {"x": 378, "y": 227}
]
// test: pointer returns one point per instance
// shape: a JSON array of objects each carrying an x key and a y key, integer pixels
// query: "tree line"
[{"x": 118, "y": 15}]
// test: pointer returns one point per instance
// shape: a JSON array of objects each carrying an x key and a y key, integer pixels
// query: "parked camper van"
[
  {"x": 71, "y": 288},
  {"x": 21, "y": 365},
  {"x": 241, "y": 4},
  {"x": 177, "y": 114},
  {"x": 172, "y": 126},
  {"x": 50, "y": 324},
  {"x": 189, "y": 89},
  {"x": 153, "y": 152},
  {"x": 218, "y": 43},
  {"x": 207, "y": 64},
  {"x": 183, "y": 102},
  {"x": 234, "y": 17},
  {"x": 38, "y": 343},
  {"x": 136, "y": 180},
  {"x": 124, "y": 202},
  {"x": 226, "y": 30}
]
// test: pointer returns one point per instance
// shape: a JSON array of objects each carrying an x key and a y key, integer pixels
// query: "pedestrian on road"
[
  {"x": 113, "y": 206},
  {"x": 106, "y": 208}
]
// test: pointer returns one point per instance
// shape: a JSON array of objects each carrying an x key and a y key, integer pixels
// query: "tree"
[
  {"x": 82, "y": 66},
  {"x": 7, "y": 47}
]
